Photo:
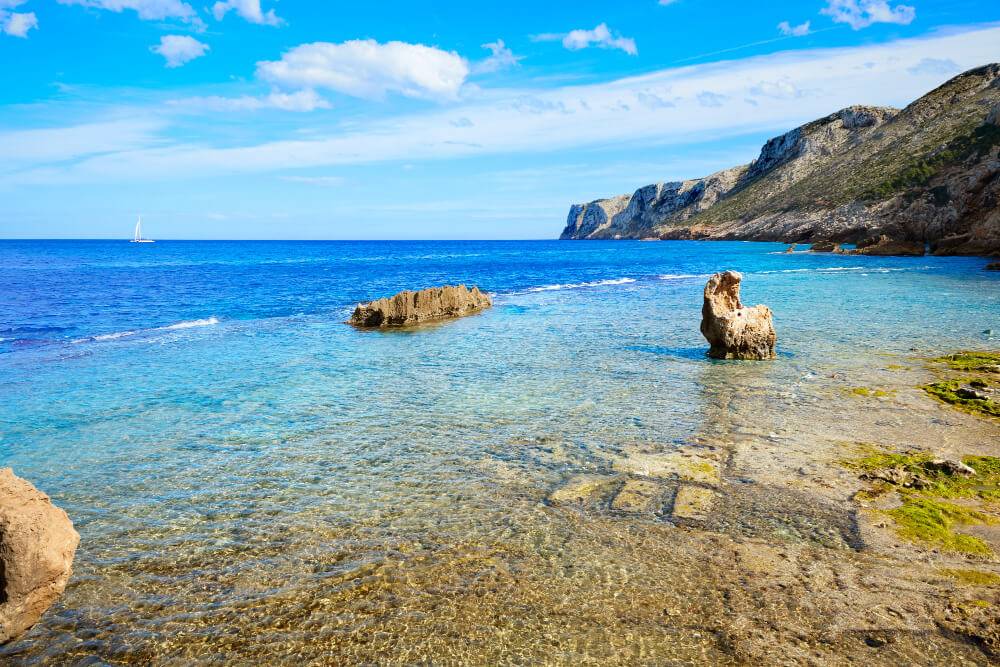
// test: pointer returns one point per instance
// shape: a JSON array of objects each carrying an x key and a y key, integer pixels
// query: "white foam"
[
  {"x": 112, "y": 336},
  {"x": 683, "y": 276},
  {"x": 594, "y": 283},
  {"x": 207, "y": 322},
  {"x": 190, "y": 324}
]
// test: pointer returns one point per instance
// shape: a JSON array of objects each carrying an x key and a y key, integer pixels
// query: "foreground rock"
[
  {"x": 735, "y": 332},
  {"x": 410, "y": 308},
  {"x": 884, "y": 246},
  {"x": 37, "y": 543}
]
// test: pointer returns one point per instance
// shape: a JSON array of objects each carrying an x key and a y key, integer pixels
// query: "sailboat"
[{"x": 138, "y": 233}]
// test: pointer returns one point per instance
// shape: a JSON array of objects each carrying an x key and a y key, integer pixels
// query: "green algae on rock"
[
  {"x": 922, "y": 481},
  {"x": 955, "y": 393},
  {"x": 972, "y": 577},
  {"x": 972, "y": 361},
  {"x": 873, "y": 393},
  {"x": 933, "y": 522}
]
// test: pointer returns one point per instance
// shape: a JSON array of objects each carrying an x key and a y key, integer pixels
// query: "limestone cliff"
[{"x": 929, "y": 173}]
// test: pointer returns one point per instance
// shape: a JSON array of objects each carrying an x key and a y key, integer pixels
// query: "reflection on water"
[{"x": 293, "y": 490}]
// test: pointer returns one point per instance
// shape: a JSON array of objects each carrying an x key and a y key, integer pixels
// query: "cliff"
[{"x": 929, "y": 173}]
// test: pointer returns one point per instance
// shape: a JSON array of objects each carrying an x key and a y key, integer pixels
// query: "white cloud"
[
  {"x": 248, "y": 9},
  {"x": 500, "y": 58},
  {"x": 790, "y": 30},
  {"x": 600, "y": 36},
  {"x": 564, "y": 118},
  {"x": 368, "y": 69},
  {"x": 707, "y": 98},
  {"x": 18, "y": 24},
  {"x": 324, "y": 181},
  {"x": 302, "y": 101},
  {"x": 862, "y": 13},
  {"x": 148, "y": 10},
  {"x": 53, "y": 145},
  {"x": 179, "y": 49},
  {"x": 782, "y": 89},
  {"x": 935, "y": 67}
]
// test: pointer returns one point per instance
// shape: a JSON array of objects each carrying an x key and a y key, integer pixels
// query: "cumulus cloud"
[
  {"x": 790, "y": 30},
  {"x": 557, "y": 119},
  {"x": 17, "y": 24},
  {"x": 248, "y": 9},
  {"x": 368, "y": 69},
  {"x": 148, "y": 10},
  {"x": 500, "y": 58},
  {"x": 300, "y": 101},
  {"x": 179, "y": 49},
  {"x": 600, "y": 36},
  {"x": 13, "y": 23},
  {"x": 862, "y": 13}
]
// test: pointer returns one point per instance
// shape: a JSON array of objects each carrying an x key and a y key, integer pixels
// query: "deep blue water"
[
  {"x": 61, "y": 291},
  {"x": 215, "y": 430}
]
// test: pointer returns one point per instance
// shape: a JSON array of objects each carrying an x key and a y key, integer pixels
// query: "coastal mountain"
[{"x": 927, "y": 173}]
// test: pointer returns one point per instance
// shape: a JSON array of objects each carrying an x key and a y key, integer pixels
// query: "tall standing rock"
[
  {"x": 735, "y": 332},
  {"x": 37, "y": 543}
]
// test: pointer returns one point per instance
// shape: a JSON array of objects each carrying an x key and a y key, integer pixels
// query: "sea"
[{"x": 256, "y": 482}]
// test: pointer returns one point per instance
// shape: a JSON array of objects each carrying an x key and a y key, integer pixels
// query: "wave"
[
  {"x": 207, "y": 322},
  {"x": 188, "y": 324},
  {"x": 593, "y": 283},
  {"x": 683, "y": 276}
]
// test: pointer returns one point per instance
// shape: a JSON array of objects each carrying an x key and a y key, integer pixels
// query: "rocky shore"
[
  {"x": 824, "y": 542},
  {"x": 928, "y": 174}
]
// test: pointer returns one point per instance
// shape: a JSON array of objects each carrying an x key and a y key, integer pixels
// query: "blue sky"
[{"x": 328, "y": 120}]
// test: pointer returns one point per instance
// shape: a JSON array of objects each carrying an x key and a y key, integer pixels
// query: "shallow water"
[{"x": 255, "y": 481}]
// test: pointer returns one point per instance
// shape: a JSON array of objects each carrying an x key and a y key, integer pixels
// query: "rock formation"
[
  {"x": 928, "y": 174},
  {"x": 790, "y": 248},
  {"x": 993, "y": 266},
  {"x": 37, "y": 543},
  {"x": 733, "y": 331},
  {"x": 410, "y": 308},
  {"x": 884, "y": 246},
  {"x": 825, "y": 246}
]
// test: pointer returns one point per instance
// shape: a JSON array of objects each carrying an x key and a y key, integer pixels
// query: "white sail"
[{"x": 138, "y": 232}]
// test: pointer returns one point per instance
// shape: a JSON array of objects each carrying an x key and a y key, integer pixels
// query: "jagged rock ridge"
[{"x": 929, "y": 173}]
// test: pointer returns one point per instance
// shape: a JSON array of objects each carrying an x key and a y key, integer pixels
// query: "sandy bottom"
[{"x": 741, "y": 546}]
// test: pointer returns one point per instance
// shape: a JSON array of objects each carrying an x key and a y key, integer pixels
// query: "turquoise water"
[{"x": 252, "y": 479}]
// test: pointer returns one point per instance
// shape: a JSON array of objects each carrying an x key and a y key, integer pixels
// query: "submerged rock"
[
  {"x": 638, "y": 496},
  {"x": 735, "y": 332},
  {"x": 993, "y": 266},
  {"x": 693, "y": 502},
  {"x": 37, "y": 543},
  {"x": 790, "y": 248},
  {"x": 586, "y": 490},
  {"x": 409, "y": 308},
  {"x": 884, "y": 246}
]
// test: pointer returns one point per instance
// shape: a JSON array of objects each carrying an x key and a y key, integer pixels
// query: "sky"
[{"x": 266, "y": 119}]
